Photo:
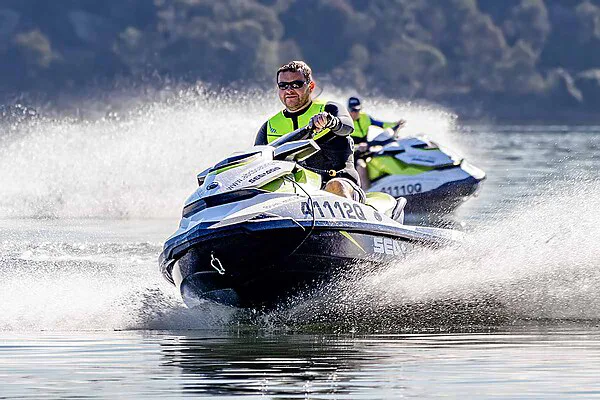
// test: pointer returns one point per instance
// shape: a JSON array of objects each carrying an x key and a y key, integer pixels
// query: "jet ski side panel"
[
  {"x": 261, "y": 267},
  {"x": 443, "y": 198},
  {"x": 432, "y": 191}
]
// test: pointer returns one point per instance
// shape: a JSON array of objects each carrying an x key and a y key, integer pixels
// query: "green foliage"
[{"x": 472, "y": 49}]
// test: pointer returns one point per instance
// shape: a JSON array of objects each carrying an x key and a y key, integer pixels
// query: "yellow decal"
[{"x": 350, "y": 238}]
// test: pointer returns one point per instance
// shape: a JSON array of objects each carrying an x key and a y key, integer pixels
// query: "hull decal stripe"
[{"x": 350, "y": 238}]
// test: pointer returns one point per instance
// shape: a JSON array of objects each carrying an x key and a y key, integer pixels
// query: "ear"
[{"x": 311, "y": 85}]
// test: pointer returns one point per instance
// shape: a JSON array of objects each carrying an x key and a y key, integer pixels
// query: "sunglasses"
[{"x": 293, "y": 84}]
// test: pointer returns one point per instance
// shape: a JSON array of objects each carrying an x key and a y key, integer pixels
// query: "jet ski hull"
[
  {"x": 431, "y": 178},
  {"x": 434, "y": 192},
  {"x": 259, "y": 229},
  {"x": 443, "y": 199},
  {"x": 260, "y": 264}
]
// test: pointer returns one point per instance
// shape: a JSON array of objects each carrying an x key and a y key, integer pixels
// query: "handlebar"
[{"x": 306, "y": 132}]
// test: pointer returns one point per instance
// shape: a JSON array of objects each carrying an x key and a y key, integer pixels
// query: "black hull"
[
  {"x": 442, "y": 200},
  {"x": 251, "y": 267}
]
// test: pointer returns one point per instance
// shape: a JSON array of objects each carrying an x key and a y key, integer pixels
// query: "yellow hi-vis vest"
[
  {"x": 362, "y": 124},
  {"x": 278, "y": 125}
]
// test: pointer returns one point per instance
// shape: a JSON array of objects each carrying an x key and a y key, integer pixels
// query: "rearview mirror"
[{"x": 296, "y": 151}]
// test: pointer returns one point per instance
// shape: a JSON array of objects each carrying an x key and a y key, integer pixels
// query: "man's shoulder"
[
  {"x": 279, "y": 114},
  {"x": 364, "y": 115}
]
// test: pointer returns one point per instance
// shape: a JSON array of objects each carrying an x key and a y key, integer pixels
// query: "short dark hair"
[{"x": 296, "y": 66}]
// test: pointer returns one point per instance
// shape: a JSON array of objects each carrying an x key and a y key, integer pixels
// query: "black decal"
[
  {"x": 349, "y": 210},
  {"x": 318, "y": 208},
  {"x": 418, "y": 187},
  {"x": 263, "y": 174},
  {"x": 328, "y": 206},
  {"x": 359, "y": 212},
  {"x": 339, "y": 207},
  {"x": 306, "y": 208}
]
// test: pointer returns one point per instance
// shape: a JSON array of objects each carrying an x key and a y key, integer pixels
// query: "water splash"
[
  {"x": 138, "y": 163},
  {"x": 538, "y": 263},
  {"x": 534, "y": 260},
  {"x": 51, "y": 285}
]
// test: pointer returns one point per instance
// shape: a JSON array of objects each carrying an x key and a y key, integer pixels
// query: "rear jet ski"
[
  {"x": 259, "y": 228},
  {"x": 432, "y": 178}
]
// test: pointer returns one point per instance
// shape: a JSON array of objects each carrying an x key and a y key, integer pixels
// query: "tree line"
[{"x": 518, "y": 58}]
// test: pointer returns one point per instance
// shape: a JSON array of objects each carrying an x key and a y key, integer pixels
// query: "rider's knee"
[
  {"x": 337, "y": 187},
  {"x": 345, "y": 188}
]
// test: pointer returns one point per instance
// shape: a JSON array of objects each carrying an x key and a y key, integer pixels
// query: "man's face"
[
  {"x": 294, "y": 99},
  {"x": 354, "y": 114}
]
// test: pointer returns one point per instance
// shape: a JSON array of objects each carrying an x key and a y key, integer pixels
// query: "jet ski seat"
[{"x": 387, "y": 204}]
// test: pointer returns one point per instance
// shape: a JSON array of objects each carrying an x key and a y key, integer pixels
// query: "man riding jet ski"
[
  {"x": 335, "y": 163},
  {"x": 287, "y": 214},
  {"x": 362, "y": 122},
  {"x": 260, "y": 228},
  {"x": 434, "y": 180}
]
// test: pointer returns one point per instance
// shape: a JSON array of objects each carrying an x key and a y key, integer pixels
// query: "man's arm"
[
  {"x": 376, "y": 122},
  {"x": 346, "y": 126},
  {"x": 261, "y": 136},
  {"x": 394, "y": 125}
]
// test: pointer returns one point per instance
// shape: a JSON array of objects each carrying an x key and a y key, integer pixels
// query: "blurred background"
[{"x": 517, "y": 60}]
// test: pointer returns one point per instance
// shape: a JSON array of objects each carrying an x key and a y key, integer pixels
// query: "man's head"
[
  {"x": 354, "y": 107},
  {"x": 295, "y": 84}
]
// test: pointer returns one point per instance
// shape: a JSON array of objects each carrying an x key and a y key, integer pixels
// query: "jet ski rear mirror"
[
  {"x": 296, "y": 151},
  {"x": 297, "y": 135},
  {"x": 236, "y": 159},
  {"x": 202, "y": 176}
]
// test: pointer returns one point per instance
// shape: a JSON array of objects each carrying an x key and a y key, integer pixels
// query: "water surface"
[{"x": 85, "y": 208}]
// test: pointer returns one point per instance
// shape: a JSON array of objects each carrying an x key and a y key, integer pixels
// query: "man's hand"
[
  {"x": 400, "y": 124},
  {"x": 321, "y": 121}
]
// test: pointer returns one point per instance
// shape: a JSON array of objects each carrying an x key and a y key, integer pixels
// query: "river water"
[{"x": 84, "y": 312}]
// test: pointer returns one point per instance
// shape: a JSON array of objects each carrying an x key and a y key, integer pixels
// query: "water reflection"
[
  {"x": 521, "y": 362},
  {"x": 280, "y": 365}
]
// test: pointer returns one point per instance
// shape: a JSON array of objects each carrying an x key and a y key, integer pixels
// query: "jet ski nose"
[{"x": 197, "y": 288}]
